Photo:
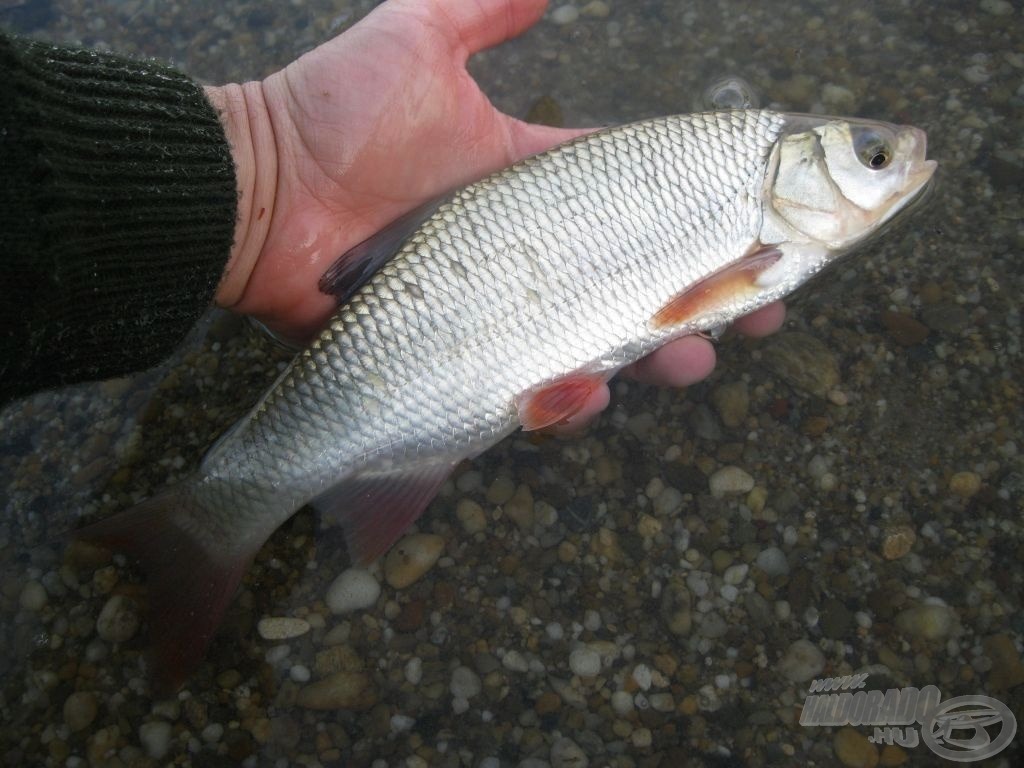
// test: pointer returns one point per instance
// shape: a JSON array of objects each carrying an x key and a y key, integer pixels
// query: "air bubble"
[{"x": 730, "y": 93}]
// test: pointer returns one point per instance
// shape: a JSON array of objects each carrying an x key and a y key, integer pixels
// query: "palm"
[{"x": 368, "y": 126}]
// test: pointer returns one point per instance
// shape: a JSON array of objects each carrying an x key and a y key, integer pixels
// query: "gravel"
[{"x": 841, "y": 497}]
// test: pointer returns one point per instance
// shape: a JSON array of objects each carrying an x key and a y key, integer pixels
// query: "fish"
[{"x": 502, "y": 306}]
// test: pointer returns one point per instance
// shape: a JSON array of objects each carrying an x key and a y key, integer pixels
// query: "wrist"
[{"x": 247, "y": 126}]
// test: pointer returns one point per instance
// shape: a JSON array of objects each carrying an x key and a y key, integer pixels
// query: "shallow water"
[{"x": 884, "y": 527}]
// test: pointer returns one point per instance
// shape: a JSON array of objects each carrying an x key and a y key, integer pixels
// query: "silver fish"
[{"x": 505, "y": 308}]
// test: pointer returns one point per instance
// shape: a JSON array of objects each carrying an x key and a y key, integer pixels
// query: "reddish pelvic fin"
[
  {"x": 375, "y": 509},
  {"x": 557, "y": 402},
  {"x": 189, "y": 586},
  {"x": 720, "y": 289}
]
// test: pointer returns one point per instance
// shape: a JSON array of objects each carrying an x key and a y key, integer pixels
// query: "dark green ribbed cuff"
[{"x": 117, "y": 213}]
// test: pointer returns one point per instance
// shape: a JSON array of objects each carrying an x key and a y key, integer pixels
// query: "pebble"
[
  {"x": 853, "y": 749},
  {"x": 904, "y": 329},
  {"x": 33, "y": 596},
  {"x": 412, "y": 557},
  {"x": 566, "y": 753},
  {"x": 465, "y": 683},
  {"x": 802, "y": 361},
  {"x": 353, "y": 590},
  {"x": 1007, "y": 671},
  {"x": 622, "y": 703},
  {"x": 118, "y": 620},
  {"x": 892, "y": 756},
  {"x": 565, "y": 14},
  {"x": 520, "y": 508},
  {"x": 735, "y": 574},
  {"x": 500, "y": 490},
  {"x": 281, "y": 627},
  {"x": 730, "y": 479},
  {"x": 898, "y": 541},
  {"x": 80, "y": 710},
  {"x": 585, "y": 662},
  {"x": 668, "y": 501},
  {"x": 155, "y": 737},
  {"x": 928, "y": 621},
  {"x": 471, "y": 516},
  {"x": 712, "y": 626},
  {"x": 597, "y": 9},
  {"x": 341, "y": 690},
  {"x": 965, "y": 484},
  {"x": 802, "y": 661},
  {"x": 772, "y": 561},
  {"x": 732, "y": 401}
]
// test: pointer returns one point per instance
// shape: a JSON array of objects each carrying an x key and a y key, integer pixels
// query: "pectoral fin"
[
  {"x": 359, "y": 263},
  {"x": 556, "y": 402},
  {"x": 719, "y": 290},
  {"x": 375, "y": 508}
]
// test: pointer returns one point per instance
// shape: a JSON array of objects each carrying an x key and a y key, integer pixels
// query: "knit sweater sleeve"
[{"x": 117, "y": 211}]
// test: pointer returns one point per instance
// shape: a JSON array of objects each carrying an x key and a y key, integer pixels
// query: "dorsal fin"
[{"x": 358, "y": 264}]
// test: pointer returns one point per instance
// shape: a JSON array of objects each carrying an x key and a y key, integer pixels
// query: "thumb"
[{"x": 482, "y": 24}]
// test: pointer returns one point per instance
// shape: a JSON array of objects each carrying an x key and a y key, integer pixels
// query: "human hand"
[{"x": 369, "y": 125}]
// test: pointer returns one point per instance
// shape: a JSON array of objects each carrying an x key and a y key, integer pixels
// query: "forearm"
[{"x": 117, "y": 213}]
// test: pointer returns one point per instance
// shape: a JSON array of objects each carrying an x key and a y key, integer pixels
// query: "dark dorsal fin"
[{"x": 358, "y": 264}]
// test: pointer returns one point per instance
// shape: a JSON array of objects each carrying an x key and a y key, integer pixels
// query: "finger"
[
  {"x": 481, "y": 24},
  {"x": 679, "y": 363},
  {"x": 529, "y": 139},
  {"x": 768, "y": 319},
  {"x": 596, "y": 403}
]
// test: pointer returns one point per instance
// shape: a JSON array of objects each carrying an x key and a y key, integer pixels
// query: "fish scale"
[{"x": 509, "y": 305}]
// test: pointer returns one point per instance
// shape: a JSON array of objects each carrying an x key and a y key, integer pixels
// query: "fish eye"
[{"x": 872, "y": 149}]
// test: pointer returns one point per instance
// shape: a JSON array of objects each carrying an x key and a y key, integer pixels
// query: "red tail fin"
[{"x": 190, "y": 582}]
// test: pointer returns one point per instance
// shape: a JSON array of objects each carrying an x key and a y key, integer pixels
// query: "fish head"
[{"x": 833, "y": 182}]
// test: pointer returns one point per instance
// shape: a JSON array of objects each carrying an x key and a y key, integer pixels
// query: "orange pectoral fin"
[
  {"x": 558, "y": 401},
  {"x": 714, "y": 292}
]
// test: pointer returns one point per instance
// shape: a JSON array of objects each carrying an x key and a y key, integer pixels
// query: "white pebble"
[
  {"x": 212, "y": 733},
  {"x": 514, "y": 661},
  {"x": 735, "y": 574},
  {"x": 642, "y": 676},
  {"x": 353, "y": 590},
  {"x": 414, "y": 670},
  {"x": 592, "y": 620},
  {"x": 554, "y": 630},
  {"x": 155, "y": 738},
  {"x": 730, "y": 480},
  {"x": 729, "y": 592},
  {"x": 401, "y": 723},
  {"x": 565, "y": 753},
  {"x": 585, "y": 662},
  {"x": 668, "y": 502},
  {"x": 565, "y": 14},
  {"x": 299, "y": 673},
  {"x": 118, "y": 620},
  {"x": 465, "y": 683}
]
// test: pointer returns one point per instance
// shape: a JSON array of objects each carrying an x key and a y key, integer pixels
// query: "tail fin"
[{"x": 190, "y": 583}]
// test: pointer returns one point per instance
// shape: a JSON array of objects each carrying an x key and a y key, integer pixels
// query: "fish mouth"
[{"x": 919, "y": 171}]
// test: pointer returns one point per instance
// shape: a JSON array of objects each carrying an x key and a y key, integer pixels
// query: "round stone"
[
  {"x": 772, "y": 561},
  {"x": 412, "y": 557},
  {"x": 585, "y": 662},
  {"x": 281, "y": 627},
  {"x": 80, "y": 710},
  {"x": 33, "y": 596},
  {"x": 353, "y": 590},
  {"x": 729, "y": 480},
  {"x": 802, "y": 661},
  {"x": 118, "y": 620}
]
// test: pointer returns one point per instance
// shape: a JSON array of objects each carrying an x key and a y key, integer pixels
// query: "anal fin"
[
  {"x": 720, "y": 289},
  {"x": 375, "y": 508}
]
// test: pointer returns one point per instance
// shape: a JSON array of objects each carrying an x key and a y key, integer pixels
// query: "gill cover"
[{"x": 834, "y": 181}]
